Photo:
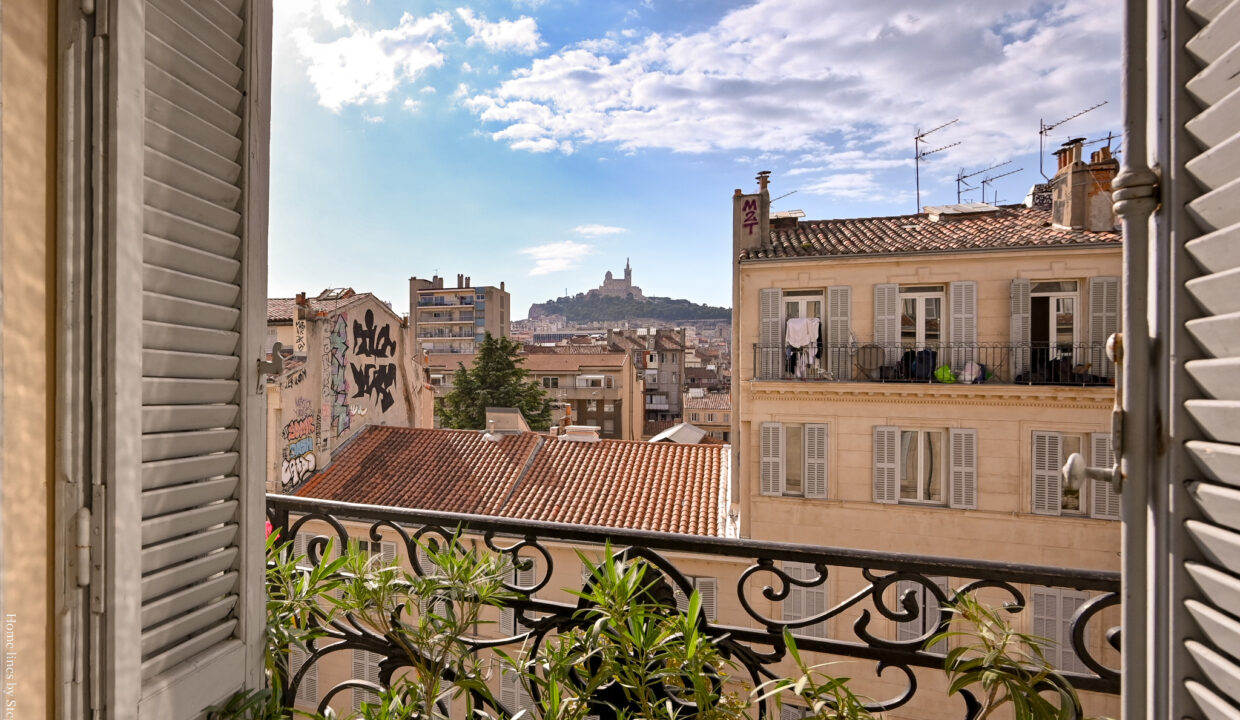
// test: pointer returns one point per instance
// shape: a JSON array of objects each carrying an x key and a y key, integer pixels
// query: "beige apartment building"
[
  {"x": 600, "y": 389},
  {"x": 453, "y": 320},
  {"x": 348, "y": 364},
  {"x": 710, "y": 411}
]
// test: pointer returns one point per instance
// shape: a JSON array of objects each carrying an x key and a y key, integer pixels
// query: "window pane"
[
  {"x": 813, "y": 309},
  {"x": 1065, "y": 319},
  {"x": 934, "y": 311},
  {"x": 932, "y": 467},
  {"x": 908, "y": 322},
  {"x": 908, "y": 465},
  {"x": 793, "y": 458},
  {"x": 792, "y": 309}
]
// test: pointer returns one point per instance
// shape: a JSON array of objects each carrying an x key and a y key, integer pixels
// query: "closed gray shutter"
[
  {"x": 770, "y": 334},
  {"x": 308, "y": 690},
  {"x": 1020, "y": 312},
  {"x": 839, "y": 331},
  {"x": 707, "y": 589},
  {"x": 963, "y": 469},
  {"x": 365, "y": 667},
  {"x": 805, "y": 602},
  {"x": 886, "y": 479},
  {"x": 183, "y": 302},
  {"x": 772, "y": 458},
  {"x": 1047, "y": 460},
  {"x": 887, "y": 320},
  {"x": 816, "y": 461},
  {"x": 508, "y": 623},
  {"x": 1214, "y": 400},
  {"x": 963, "y": 301},
  {"x": 1105, "y": 501},
  {"x": 1103, "y": 322}
]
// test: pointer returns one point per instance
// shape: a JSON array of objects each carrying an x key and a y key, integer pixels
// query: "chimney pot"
[
  {"x": 467, "y": 282},
  {"x": 764, "y": 178},
  {"x": 460, "y": 280}
]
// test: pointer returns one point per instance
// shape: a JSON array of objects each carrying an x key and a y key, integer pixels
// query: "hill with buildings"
[{"x": 587, "y": 307}]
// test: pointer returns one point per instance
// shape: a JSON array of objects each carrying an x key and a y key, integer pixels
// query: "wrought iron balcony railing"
[
  {"x": 974, "y": 363},
  {"x": 873, "y": 593}
]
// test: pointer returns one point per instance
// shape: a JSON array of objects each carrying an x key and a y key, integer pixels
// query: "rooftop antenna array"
[
  {"x": 918, "y": 153},
  {"x": 781, "y": 197},
  {"x": 1044, "y": 129},
  {"x": 962, "y": 179},
  {"x": 990, "y": 180}
]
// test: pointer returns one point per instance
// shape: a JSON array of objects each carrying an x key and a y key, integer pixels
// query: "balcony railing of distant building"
[
  {"x": 439, "y": 334},
  {"x": 440, "y": 300},
  {"x": 908, "y": 593},
  {"x": 975, "y": 363},
  {"x": 445, "y": 317}
]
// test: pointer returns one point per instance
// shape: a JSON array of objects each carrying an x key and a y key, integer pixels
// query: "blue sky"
[{"x": 541, "y": 142}]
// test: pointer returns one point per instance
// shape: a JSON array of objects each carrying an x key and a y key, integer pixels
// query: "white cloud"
[
  {"x": 595, "y": 230},
  {"x": 411, "y": 105},
  {"x": 530, "y": 4},
  {"x": 428, "y": 90},
  {"x": 845, "y": 185},
  {"x": 783, "y": 76},
  {"x": 520, "y": 35},
  {"x": 362, "y": 66},
  {"x": 556, "y": 256},
  {"x": 373, "y": 119}
]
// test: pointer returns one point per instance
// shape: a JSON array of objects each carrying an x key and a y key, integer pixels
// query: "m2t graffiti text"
[
  {"x": 299, "y": 462},
  {"x": 373, "y": 379}
]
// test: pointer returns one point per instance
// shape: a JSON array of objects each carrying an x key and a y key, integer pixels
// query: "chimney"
[
  {"x": 301, "y": 299},
  {"x": 467, "y": 284},
  {"x": 501, "y": 285},
  {"x": 436, "y": 282},
  {"x": 751, "y": 216},
  {"x": 460, "y": 280},
  {"x": 1081, "y": 191},
  {"x": 580, "y": 433},
  {"x": 505, "y": 421}
]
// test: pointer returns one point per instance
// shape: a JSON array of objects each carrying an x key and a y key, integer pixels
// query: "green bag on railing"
[{"x": 944, "y": 374}]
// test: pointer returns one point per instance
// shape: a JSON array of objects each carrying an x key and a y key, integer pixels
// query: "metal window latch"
[
  {"x": 1075, "y": 470},
  {"x": 274, "y": 366}
]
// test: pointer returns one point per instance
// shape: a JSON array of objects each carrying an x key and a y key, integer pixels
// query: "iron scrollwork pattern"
[{"x": 753, "y": 642}]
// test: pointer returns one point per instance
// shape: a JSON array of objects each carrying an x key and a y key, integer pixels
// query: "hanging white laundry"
[{"x": 801, "y": 332}]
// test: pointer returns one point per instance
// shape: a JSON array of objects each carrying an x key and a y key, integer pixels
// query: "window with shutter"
[
  {"x": 770, "y": 334},
  {"x": 512, "y": 692},
  {"x": 963, "y": 302},
  {"x": 772, "y": 459},
  {"x": 1047, "y": 461},
  {"x": 1103, "y": 322},
  {"x": 963, "y": 468},
  {"x": 508, "y": 623},
  {"x": 887, "y": 320},
  {"x": 1020, "y": 313},
  {"x": 1052, "y": 617},
  {"x": 804, "y": 602},
  {"x": 1104, "y": 501},
  {"x": 839, "y": 331},
  {"x": 815, "y": 461},
  {"x": 366, "y": 668},
  {"x": 886, "y": 473},
  {"x": 308, "y": 690},
  {"x": 182, "y": 297},
  {"x": 927, "y": 622}
]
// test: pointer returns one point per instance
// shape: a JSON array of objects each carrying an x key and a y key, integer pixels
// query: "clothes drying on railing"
[{"x": 803, "y": 342}]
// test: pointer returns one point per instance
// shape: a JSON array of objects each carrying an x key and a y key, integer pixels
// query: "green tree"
[{"x": 496, "y": 380}]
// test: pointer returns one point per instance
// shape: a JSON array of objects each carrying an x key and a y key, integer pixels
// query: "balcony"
[
  {"x": 1080, "y": 364},
  {"x": 445, "y": 301},
  {"x": 435, "y": 334},
  {"x": 441, "y": 318},
  {"x": 860, "y": 625}
]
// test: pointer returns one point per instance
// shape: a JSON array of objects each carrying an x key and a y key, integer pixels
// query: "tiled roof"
[
  {"x": 701, "y": 372},
  {"x": 1010, "y": 226},
  {"x": 709, "y": 401},
  {"x": 572, "y": 363},
  {"x": 282, "y": 310},
  {"x": 566, "y": 350},
  {"x": 613, "y": 483}
]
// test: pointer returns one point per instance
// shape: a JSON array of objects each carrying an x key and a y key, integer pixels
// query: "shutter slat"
[
  {"x": 157, "y": 307},
  {"x": 163, "y": 83},
  {"x": 1223, "y": 631},
  {"x": 1216, "y": 292},
  {"x": 1206, "y": 10},
  {"x": 182, "y": 130},
  {"x": 1217, "y": 377},
  {"x": 1222, "y": 672},
  {"x": 204, "y": 341},
  {"x": 157, "y": 530},
  {"x": 212, "y": 638},
  {"x": 1215, "y": 125},
  {"x": 1219, "y": 208},
  {"x": 161, "y": 501},
  {"x": 158, "y": 557},
  {"x": 195, "y": 261},
  {"x": 1220, "y": 504},
  {"x": 1217, "y": 586},
  {"x": 218, "y": 31},
  {"x": 191, "y": 153},
  {"x": 188, "y": 573},
  {"x": 1217, "y": 251},
  {"x": 1212, "y": 705},
  {"x": 192, "y": 74},
  {"x": 1217, "y": 166},
  {"x": 1220, "y": 419},
  {"x": 165, "y": 363},
  {"x": 166, "y": 446},
  {"x": 1222, "y": 547},
  {"x": 1217, "y": 80},
  {"x": 188, "y": 40},
  {"x": 1220, "y": 462},
  {"x": 1217, "y": 37},
  {"x": 162, "y": 636},
  {"x": 184, "y": 286},
  {"x": 180, "y": 470},
  {"x": 190, "y": 208},
  {"x": 178, "y": 175},
  {"x": 178, "y": 228},
  {"x": 1219, "y": 335},
  {"x": 175, "y": 418},
  {"x": 221, "y": 16},
  {"x": 179, "y": 391},
  {"x": 169, "y": 606}
]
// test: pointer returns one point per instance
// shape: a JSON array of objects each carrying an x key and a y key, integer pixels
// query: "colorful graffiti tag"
[
  {"x": 337, "y": 376},
  {"x": 299, "y": 461},
  {"x": 374, "y": 380}
]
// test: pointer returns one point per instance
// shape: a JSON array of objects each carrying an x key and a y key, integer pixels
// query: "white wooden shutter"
[
  {"x": 1047, "y": 461},
  {"x": 770, "y": 334},
  {"x": 772, "y": 454},
  {"x": 887, "y": 320},
  {"x": 1206, "y": 451},
  {"x": 815, "y": 461},
  {"x": 707, "y": 589},
  {"x": 839, "y": 331},
  {"x": 963, "y": 302},
  {"x": 805, "y": 602},
  {"x": 792, "y": 712},
  {"x": 886, "y": 475},
  {"x": 308, "y": 690},
  {"x": 682, "y": 599},
  {"x": 508, "y": 623},
  {"x": 1104, "y": 502},
  {"x": 387, "y": 553},
  {"x": 963, "y": 468},
  {"x": 183, "y": 298},
  {"x": 1103, "y": 322},
  {"x": 1020, "y": 312},
  {"x": 1069, "y": 602},
  {"x": 365, "y": 667},
  {"x": 512, "y": 692},
  {"x": 1046, "y": 626}
]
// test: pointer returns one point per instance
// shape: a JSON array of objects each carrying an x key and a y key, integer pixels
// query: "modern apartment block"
[
  {"x": 659, "y": 353},
  {"x": 453, "y": 320}
]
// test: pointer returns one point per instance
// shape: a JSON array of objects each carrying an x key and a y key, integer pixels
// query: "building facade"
[
  {"x": 659, "y": 353},
  {"x": 710, "y": 411},
  {"x": 453, "y": 320}
]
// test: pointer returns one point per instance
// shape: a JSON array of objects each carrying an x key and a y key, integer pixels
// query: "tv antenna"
[
  {"x": 918, "y": 153},
  {"x": 990, "y": 180},
  {"x": 781, "y": 197},
  {"x": 1044, "y": 129},
  {"x": 961, "y": 178}
]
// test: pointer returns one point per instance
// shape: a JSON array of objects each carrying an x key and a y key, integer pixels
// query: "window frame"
[
  {"x": 943, "y": 462},
  {"x": 1052, "y": 316},
  {"x": 919, "y": 297}
]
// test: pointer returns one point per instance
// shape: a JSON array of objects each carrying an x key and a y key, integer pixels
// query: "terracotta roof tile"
[
  {"x": 709, "y": 401},
  {"x": 282, "y": 310},
  {"x": 565, "y": 362},
  {"x": 1011, "y": 226},
  {"x": 613, "y": 483}
]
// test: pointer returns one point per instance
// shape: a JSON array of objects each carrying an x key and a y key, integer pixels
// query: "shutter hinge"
[
  {"x": 94, "y": 547},
  {"x": 81, "y": 544},
  {"x": 274, "y": 366}
]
